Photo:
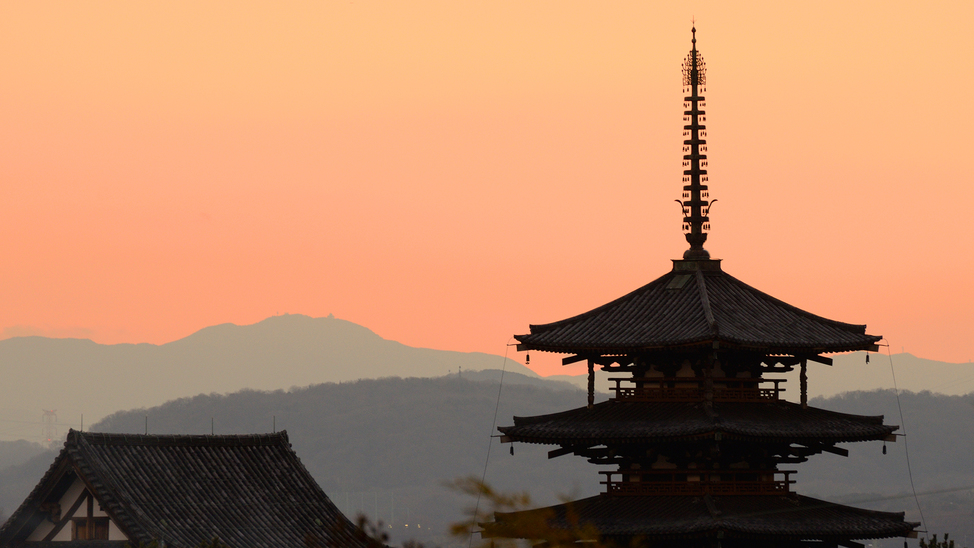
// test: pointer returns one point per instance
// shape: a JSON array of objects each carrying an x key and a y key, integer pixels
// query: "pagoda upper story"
[
  {"x": 695, "y": 202},
  {"x": 699, "y": 305},
  {"x": 697, "y": 425}
]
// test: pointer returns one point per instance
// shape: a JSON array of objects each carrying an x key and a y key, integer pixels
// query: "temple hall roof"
[
  {"x": 250, "y": 491},
  {"x": 615, "y": 422},
  {"x": 696, "y": 303},
  {"x": 755, "y": 518}
]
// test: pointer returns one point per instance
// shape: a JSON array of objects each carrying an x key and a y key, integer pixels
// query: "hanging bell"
[
  {"x": 512, "y": 449},
  {"x": 884, "y": 448},
  {"x": 527, "y": 361},
  {"x": 867, "y": 358}
]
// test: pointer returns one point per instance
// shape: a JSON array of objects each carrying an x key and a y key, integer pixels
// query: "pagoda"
[{"x": 696, "y": 435}]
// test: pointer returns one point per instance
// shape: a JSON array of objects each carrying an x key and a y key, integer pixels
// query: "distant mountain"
[{"x": 78, "y": 377}]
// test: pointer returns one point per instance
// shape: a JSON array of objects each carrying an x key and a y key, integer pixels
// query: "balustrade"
[
  {"x": 692, "y": 389},
  {"x": 697, "y": 482}
]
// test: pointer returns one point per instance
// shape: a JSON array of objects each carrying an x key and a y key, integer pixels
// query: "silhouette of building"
[
  {"x": 696, "y": 432},
  {"x": 113, "y": 490}
]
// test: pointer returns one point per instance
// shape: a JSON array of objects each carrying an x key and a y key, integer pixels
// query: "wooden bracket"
[
  {"x": 819, "y": 359},
  {"x": 573, "y": 359}
]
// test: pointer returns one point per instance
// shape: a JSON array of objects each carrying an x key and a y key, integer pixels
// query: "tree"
[{"x": 934, "y": 543}]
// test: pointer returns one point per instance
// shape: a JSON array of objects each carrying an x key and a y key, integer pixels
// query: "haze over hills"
[
  {"x": 399, "y": 439},
  {"x": 79, "y": 377},
  {"x": 386, "y": 447}
]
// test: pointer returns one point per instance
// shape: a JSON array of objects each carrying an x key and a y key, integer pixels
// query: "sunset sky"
[{"x": 447, "y": 173}]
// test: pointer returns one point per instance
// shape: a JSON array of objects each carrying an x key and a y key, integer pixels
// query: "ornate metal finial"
[{"x": 695, "y": 202}]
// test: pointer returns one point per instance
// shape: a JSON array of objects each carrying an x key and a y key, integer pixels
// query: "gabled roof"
[
  {"x": 696, "y": 304},
  {"x": 250, "y": 491},
  {"x": 624, "y": 422},
  {"x": 755, "y": 518}
]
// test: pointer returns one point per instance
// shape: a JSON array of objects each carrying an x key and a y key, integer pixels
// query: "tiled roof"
[
  {"x": 616, "y": 421},
  {"x": 696, "y": 303},
  {"x": 755, "y": 518},
  {"x": 250, "y": 491}
]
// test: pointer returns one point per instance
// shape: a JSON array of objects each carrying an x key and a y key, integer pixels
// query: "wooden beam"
[
  {"x": 554, "y": 453},
  {"x": 803, "y": 381},
  {"x": 90, "y": 519},
  {"x": 835, "y": 450},
  {"x": 812, "y": 449},
  {"x": 818, "y": 359},
  {"x": 591, "y": 384},
  {"x": 573, "y": 359},
  {"x": 65, "y": 518}
]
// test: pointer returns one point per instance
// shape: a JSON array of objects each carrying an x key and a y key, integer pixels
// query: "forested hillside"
[{"x": 387, "y": 447}]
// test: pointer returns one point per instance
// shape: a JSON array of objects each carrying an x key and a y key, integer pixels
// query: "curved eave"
[
  {"x": 696, "y": 307},
  {"x": 781, "y": 349},
  {"x": 625, "y": 423},
  {"x": 787, "y": 517}
]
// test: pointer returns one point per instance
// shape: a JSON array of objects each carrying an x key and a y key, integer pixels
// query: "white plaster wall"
[
  {"x": 69, "y": 498},
  {"x": 114, "y": 533}
]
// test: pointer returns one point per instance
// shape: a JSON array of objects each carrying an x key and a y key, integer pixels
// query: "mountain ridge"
[{"x": 81, "y": 378}]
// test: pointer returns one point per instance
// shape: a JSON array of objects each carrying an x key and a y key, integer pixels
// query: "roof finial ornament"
[{"x": 695, "y": 202}]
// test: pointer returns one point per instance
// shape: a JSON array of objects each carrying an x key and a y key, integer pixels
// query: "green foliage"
[
  {"x": 535, "y": 525},
  {"x": 934, "y": 543}
]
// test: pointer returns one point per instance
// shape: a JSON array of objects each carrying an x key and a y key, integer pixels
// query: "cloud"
[{"x": 50, "y": 332}]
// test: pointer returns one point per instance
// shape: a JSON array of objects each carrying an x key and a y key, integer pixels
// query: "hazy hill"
[
  {"x": 387, "y": 446},
  {"x": 76, "y": 376},
  {"x": 79, "y": 377},
  {"x": 940, "y": 436}
]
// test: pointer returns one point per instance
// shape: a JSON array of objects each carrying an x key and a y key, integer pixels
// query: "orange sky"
[{"x": 446, "y": 173}]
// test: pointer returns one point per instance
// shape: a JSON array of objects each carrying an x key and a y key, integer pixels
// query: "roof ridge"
[
  {"x": 116, "y": 438},
  {"x": 705, "y": 302},
  {"x": 860, "y": 328}
]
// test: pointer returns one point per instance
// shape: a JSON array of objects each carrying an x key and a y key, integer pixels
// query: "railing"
[
  {"x": 697, "y": 482},
  {"x": 692, "y": 389}
]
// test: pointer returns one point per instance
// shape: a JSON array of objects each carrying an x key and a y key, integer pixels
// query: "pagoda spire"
[{"x": 696, "y": 207}]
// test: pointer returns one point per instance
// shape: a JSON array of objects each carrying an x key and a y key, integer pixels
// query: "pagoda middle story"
[{"x": 697, "y": 437}]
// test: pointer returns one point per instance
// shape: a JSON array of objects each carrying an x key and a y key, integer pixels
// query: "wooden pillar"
[
  {"x": 803, "y": 380},
  {"x": 90, "y": 521},
  {"x": 708, "y": 380},
  {"x": 591, "y": 384}
]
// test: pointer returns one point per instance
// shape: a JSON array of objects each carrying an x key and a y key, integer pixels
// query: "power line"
[{"x": 906, "y": 442}]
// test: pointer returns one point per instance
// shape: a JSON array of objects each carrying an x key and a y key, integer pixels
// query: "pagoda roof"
[
  {"x": 625, "y": 422},
  {"x": 696, "y": 303},
  {"x": 785, "y": 517},
  {"x": 247, "y": 490}
]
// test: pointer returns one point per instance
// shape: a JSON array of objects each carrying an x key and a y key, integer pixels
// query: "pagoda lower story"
[
  {"x": 698, "y": 457},
  {"x": 706, "y": 520}
]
